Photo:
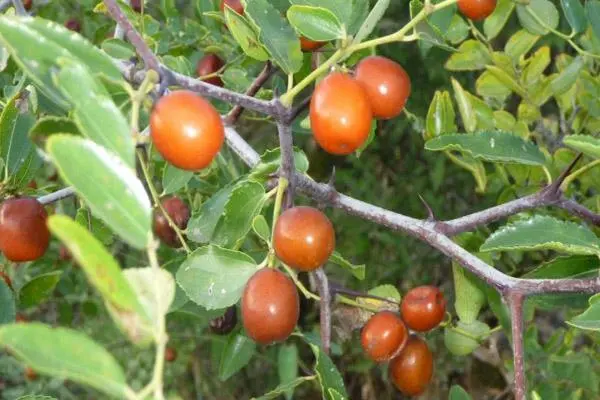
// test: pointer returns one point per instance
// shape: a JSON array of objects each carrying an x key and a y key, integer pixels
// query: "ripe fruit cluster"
[
  {"x": 385, "y": 337},
  {"x": 342, "y": 107},
  {"x": 24, "y": 235}
]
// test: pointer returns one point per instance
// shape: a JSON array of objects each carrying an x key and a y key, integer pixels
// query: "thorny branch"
[
  {"x": 261, "y": 79},
  {"x": 435, "y": 233}
]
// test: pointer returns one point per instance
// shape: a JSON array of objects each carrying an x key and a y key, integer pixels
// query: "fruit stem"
[
  {"x": 281, "y": 186},
  {"x": 137, "y": 98},
  {"x": 354, "y": 303},
  {"x": 156, "y": 199},
  {"x": 307, "y": 293}
]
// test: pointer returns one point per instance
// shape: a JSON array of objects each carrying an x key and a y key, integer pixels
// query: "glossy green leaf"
[
  {"x": 536, "y": 65},
  {"x": 109, "y": 187},
  {"x": 7, "y": 303},
  {"x": 329, "y": 377},
  {"x": 506, "y": 80},
  {"x": 271, "y": 159},
  {"x": 360, "y": 12},
  {"x": 95, "y": 114},
  {"x": 487, "y": 85},
  {"x": 21, "y": 161},
  {"x": 244, "y": 33},
  {"x": 519, "y": 44},
  {"x": 440, "y": 116},
  {"x": 261, "y": 228},
  {"x": 276, "y": 34},
  {"x": 65, "y": 354},
  {"x": 588, "y": 145},
  {"x": 469, "y": 298},
  {"x": 483, "y": 113},
  {"x": 472, "y": 55},
  {"x": 546, "y": 16},
  {"x": 315, "y": 23},
  {"x": 387, "y": 292},
  {"x": 100, "y": 267},
  {"x": 575, "y": 14},
  {"x": 458, "y": 30},
  {"x": 340, "y": 8},
  {"x": 48, "y": 126},
  {"x": 592, "y": 10},
  {"x": 284, "y": 388},
  {"x": 38, "y": 289},
  {"x": 544, "y": 233},
  {"x": 174, "y": 179},
  {"x": 588, "y": 320},
  {"x": 236, "y": 354},
  {"x": 577, "y": 368},
  {"x": 369, "y": 24},
  {"x": 464, "y": 338},
  {"x": 118, "y": 48},
  {"x": 357, "y": 270},
  {"x": 214, "y": 277},
  {"x": 465, "y": 107},
  {"x": 490, "y": 146},
  {"x": 245, "y": 202},
  {"x": 568, "y": 76},
  {"x": 201, "y": 226},
  {"x": 287, "y": 367},
  {"x": 493, "y": 24},
  {"x": 458, "y": 393}
]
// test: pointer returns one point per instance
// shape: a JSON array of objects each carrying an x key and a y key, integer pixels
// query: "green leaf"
[
  {"x": 519, "y": 44},
  {"x": 271, "y": 159},
  {"x": 244, "y": 33},
  {"x": 472, "y": 55},
  {"x": 387, "y": 292},
  {"x": 214, "y": 277},
  {"x": 588, "y": 145},
  {"x": 493, "y": 24},
  {"x": 174, "y": 179},
  {"x": 458, "y": 393},
  {"x": 458, "y": 30},
  {"x": 65, "y": 354},
  {"x": 464, "y": 338},
  {"x": 469, "y": 298},
  {"x": 440, "y": 116},
  {"x": 201, "y": 227},
  {"x": 357, "y": 270},
  {"x": 465, "y": 108},
  {"x": 490, "y": 146},
  {"x": 49, "y": 125},
  {"x": 545, "y": 11},
  {"x": 315, "y": 23},
  {"x": 506, "y": 80},
  {"x": 329, "y": 377},
  {"x": 118, "y": 48},
  {"x": 577, "y": 369},
  {"x": 544, "y": 233},
  {"x": 487, "y": 85},
  {"x": 36, "y": 397},
  {"x": 96, "y": 115},
  {"x": 261, "y": 228},
  {"x": 38, "y": 289},
  {"x": 575, "y": 14},
  {"x": 287, "y": 367},
  {"x": 340, "y": 8},
  {"x": 100, "y": 267},
  {"x": 536, "y": 65},
  {"x": 284, "y": 388},
  {"x": 236, "y": 354},
  {"x": 568, "y": 76},
  {"x": 109, "y": 187},
  {"x": 483, "y": 113},
  {"x": 276, "y": 34},
  {"x": 369, "y": 24},
  {"x": 7, "y": 304},
  {"x": 245, "y": 202},
  {"x": 360, "y": 12},
  {"x": 588, "y": 320},
  {"x": 21, "y": 161},
  {"x": 592, "y": 10}
]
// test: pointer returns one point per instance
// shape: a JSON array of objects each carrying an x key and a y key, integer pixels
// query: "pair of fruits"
[
  {"x": 385, "y": 337},
  {"x": 24, "y": 235},
  {"x": 303, "y": 238},
  {"x": 342, "y": 107}
]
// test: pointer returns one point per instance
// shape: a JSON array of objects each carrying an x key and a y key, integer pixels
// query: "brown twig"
[{"x": 233, "y": 116}]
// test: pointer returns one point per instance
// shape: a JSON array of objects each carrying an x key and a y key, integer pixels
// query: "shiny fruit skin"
[
  {"x": 28, "y": 4},
  {"x": 136, "y": 5},
  {"x": 310, "y": 45},
  {"x": 179, "y": 213},
  {"x": 383, "y": 336},
  {"x": 411, "y": 371},
  {"x": 170, "y": 354},
  {"x": 303, "y": 238},
  {"x": 270, "y": 306},
  {"x": 6, "y": 279},
  {"x": 24, "y": 235},
  {"x": 235, "y": 5},
  {"x": 186, "y": 130},
  {"x": 340, "y": 114},
  {"x": 476, "y": 10},
  {"x": 30, "y": 374},
  {"x": 387, "y": 85},
  {"x": 73, "y": 25},
  {"x": 209, "y": 64},
  {"x": 225, "y": 323},
  {"x": 423, "y": 308}
]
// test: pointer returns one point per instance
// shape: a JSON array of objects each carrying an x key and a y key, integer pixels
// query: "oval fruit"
[
  {"x": 210, "y": 64},
  {"x": 24, "y": 235},
  {"x": 180, "y": 215},
  {"x": 423, "y": 308},
  {"x": 476, "y": 10},
  {"x": 383, "y": 336},
  {"x": 412, "y": 370}
]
